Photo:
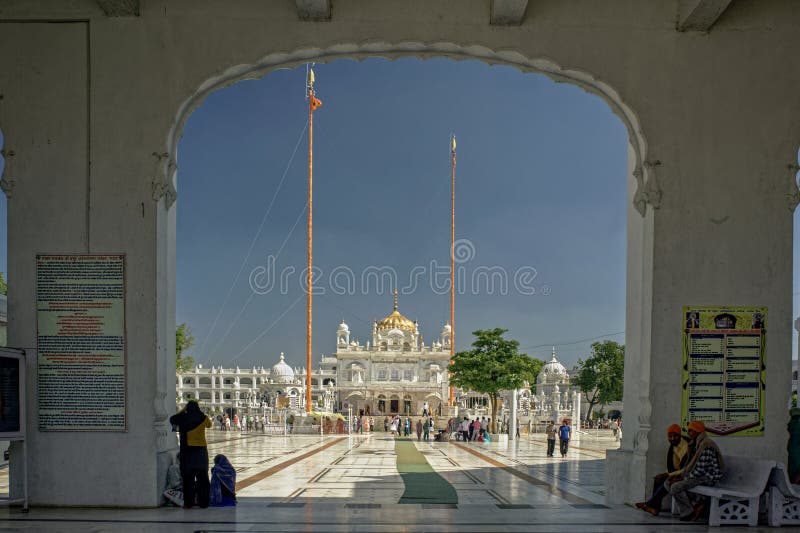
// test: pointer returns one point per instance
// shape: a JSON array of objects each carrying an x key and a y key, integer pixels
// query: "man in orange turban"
[
  {"x": 677, "y": 455},
  {"x": 705, "y": 467}
]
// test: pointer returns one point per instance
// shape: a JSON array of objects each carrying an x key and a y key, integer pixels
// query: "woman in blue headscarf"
[{"x": 223, "y": 482}]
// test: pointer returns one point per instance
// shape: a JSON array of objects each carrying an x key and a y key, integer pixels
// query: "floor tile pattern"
[{"x": 331, "y": 484}]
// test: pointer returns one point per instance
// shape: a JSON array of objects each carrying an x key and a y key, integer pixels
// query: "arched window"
[{"x": 188, "y": 381}]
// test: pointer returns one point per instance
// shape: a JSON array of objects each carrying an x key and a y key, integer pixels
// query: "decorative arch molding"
[{"x": 164, "y": 183}]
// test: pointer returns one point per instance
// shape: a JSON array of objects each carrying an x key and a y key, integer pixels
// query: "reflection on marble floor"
[
  {"x": 361, "y": 469},
  {"x": 351, "y": 483}
]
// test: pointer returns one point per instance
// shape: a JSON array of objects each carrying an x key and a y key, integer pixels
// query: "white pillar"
[{"x": 512, "y": 429}]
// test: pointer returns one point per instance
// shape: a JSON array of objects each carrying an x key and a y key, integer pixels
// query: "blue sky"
[{"x": 540, "y": 185}]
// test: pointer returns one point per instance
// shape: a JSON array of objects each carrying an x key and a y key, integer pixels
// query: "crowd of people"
[
  {"x": 398, "y": 426},
  {"x": 241, "y": 423}
]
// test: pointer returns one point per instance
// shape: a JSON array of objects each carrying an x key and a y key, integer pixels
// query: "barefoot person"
[
  {"x": 705, "y": 467},
  {"x": 677, "y": 456}
]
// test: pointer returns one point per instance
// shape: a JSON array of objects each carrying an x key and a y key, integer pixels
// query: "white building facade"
[
  {"x": 395, "y": 372},
  {"x": 222, "y": 389}
]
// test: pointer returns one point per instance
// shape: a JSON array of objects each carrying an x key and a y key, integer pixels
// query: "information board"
[
  {"x": 724, "y": 369},
  {"x": 81, "y": 342},
  {"x": 11, "y": 372}
]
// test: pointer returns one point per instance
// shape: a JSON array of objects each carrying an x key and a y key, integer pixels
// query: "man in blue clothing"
[{"x": 564, "y": 434}]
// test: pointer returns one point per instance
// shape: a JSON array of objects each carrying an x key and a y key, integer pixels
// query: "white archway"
[{"x": 643, "y": 190}]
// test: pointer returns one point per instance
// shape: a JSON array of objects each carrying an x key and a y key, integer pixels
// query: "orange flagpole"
[
  {"x": 309, "y": 298},
  {"x": 452, "y": 259}
]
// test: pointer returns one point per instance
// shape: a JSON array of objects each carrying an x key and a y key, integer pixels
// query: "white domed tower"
[
  {"x": 343, "y": 335},
  {"x": 552, "y": 375},
  {"x": 447, "y": 333},
  {"x": 281, "y": 372}
]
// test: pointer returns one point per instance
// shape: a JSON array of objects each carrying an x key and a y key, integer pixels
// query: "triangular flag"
[{"x": 315, "y": 102}]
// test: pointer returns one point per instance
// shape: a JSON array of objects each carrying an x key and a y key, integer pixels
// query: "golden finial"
[{"x": 395, "y": 299}]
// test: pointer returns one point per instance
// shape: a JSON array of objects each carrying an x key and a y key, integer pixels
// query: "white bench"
[
  {"x": 735, "y": 498},
  {"x": 784, "y": 499}
]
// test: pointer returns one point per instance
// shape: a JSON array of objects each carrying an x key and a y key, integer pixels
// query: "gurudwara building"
[
  {"x": 282, "y": 386},
  {"x": 395, "y": 372}
]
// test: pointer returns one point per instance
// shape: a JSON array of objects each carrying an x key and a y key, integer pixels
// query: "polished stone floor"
[{"x": 352, "y": 483}]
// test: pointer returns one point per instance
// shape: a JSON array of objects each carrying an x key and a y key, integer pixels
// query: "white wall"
[{"x": 718, "y": 110}]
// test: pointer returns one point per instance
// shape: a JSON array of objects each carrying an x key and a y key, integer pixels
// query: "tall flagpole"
[
  {"x": 313, "y": 103},
  {"x": 452, "y": 256}
]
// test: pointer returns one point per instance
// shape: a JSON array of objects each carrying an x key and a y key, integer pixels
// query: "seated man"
[
  {"x": 677, "y": 456},
  {"x": 705, "y": 467}
]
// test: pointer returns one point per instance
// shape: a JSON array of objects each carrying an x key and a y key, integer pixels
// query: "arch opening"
[{"x": 639, "y": 170}]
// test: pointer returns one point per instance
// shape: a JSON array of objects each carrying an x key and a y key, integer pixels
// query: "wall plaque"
[{"x": 81, "y": 342}]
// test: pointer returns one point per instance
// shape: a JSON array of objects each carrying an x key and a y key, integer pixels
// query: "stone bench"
[
  {"x": 783, "y": 499},
  {"x": 735, "y": 498}
]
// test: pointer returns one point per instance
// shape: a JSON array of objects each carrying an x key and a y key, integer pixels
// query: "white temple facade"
[
  {"x": 282, "y": 386},
  {"x": 394, "y": 372},
  {"x": 555, "y": 398}
]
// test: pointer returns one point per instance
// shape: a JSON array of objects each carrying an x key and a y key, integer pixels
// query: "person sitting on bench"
[
  {"x": 704, "y": 468},
  {"x": 677, "y": 456}
]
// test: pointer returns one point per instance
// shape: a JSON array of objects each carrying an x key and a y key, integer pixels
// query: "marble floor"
[{"x": 351, "y": 483}]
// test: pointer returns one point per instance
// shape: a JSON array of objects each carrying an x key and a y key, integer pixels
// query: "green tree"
[
  {"x": 183, "y": 341},
  {"x": 3, "y": 285},
  {"x": 600, "y": 377},
  {"x": 493, "y": 365}
]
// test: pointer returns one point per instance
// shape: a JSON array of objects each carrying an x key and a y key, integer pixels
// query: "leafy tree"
[
  {"x": 3, "y": 285},
  {"x": 493, "y": 365},
  {"x": 183, "y": 341},
  {"x": 600, "y": 377}
]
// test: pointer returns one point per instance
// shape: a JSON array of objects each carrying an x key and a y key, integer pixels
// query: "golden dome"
[{"x": 396, "y": 321}]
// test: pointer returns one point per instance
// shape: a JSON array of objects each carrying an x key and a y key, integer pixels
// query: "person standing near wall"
[{"x": 192, "y": 423}]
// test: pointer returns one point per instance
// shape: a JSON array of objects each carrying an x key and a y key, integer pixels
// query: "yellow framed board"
[{"x": 724, "y": 369}]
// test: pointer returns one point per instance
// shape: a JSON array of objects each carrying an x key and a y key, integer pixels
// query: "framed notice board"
[
  {"x": 724, "y": 369},
  {"x": 12, "y": 394},
  {"x": 80, "y": 304}
]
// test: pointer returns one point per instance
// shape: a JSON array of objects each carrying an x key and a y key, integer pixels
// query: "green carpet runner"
[{"x": 423, "y": 484}]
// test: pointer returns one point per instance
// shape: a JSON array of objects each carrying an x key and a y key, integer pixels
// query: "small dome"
[
  {"x": 343, "y": 327},
  {"x": 447, "y": 329},
  {"x": 553, "y": 366},
  {"x": 281, "y": 372}
]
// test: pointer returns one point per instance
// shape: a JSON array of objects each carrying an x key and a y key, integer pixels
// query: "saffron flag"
[{"x": 315, "y": 102}]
